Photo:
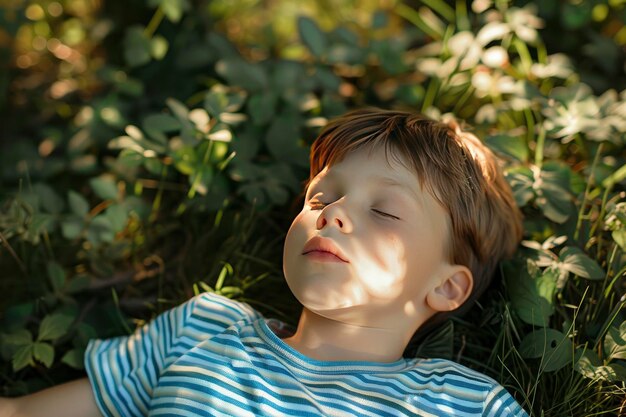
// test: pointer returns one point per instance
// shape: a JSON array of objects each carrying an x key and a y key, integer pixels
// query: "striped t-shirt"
[{"x": 212, "y": 356}]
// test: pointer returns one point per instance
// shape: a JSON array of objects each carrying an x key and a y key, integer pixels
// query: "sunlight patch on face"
[
  {"x": 383, "y": 275},
  {"x": 409, "y": 308}
]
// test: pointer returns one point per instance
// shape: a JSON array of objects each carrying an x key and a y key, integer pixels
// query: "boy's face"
[{"x": 388, "y": 236}]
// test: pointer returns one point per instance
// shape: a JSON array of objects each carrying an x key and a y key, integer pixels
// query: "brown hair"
[{"x": 459, "y": 171}]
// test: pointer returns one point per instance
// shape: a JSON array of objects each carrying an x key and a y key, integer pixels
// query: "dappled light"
[{"x": 154, "y": 150}]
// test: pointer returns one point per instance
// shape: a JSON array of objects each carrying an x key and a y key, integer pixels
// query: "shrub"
[{"x": 134, "y": 177}]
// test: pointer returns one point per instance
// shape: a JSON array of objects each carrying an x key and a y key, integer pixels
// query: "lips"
[{"x": 323, "y": 245}]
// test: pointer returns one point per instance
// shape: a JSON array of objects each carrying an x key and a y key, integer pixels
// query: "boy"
[{"x": 404, "y": 220}]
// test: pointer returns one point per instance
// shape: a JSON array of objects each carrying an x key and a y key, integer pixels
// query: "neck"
[{"x": 325, "y": 339}]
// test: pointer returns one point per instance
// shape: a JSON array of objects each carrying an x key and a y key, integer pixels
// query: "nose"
[{"x": 334, "y": 215}]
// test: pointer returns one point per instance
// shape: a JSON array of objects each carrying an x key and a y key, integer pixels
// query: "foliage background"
[{"x": 152, "y": 149}]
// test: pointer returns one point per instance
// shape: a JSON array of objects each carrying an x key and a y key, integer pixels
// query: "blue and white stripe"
[{"x": 212, "y": 356}]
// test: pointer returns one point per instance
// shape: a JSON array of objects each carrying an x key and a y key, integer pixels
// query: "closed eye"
[
  {"x": 318, "y": 205},
  {"x": 383, "y": 214}
]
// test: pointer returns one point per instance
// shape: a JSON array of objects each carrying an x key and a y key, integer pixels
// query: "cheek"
[
  {"x": 383, "y": 269},
  {"x": 295, "y": 239}
]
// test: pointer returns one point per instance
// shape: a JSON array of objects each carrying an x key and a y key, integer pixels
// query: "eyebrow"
[
  {"x": 379, "y": 180},
  {"x": 391, "y": 182}
]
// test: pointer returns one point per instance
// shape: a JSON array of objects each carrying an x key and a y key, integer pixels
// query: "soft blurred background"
[{"x": 154, "y": 149}]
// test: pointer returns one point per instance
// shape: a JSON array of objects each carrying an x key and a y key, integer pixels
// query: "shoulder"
[
  {"x": 447, "y": 369},
  {"x": 453, "y": 380},
  {"x": 215, "y": 310}
]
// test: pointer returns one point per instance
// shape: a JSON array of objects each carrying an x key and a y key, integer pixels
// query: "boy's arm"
[{"x": 72, "y": 399}]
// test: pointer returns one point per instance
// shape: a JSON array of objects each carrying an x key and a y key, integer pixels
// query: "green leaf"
[
  {"x": 130, "y": 86},
  {"x": 173, "y": 9},
  {"x": 100, "y": 230},
  {"x": 105, "y": 188},
  {"x": 531, "y": 304},
  {"x": 312, "y": 36},
  {"x": 326, "y": 78},
  {"x": 546, "y": 285},
  {"x": 553, "y": 193},
  {"x": 158, "y": 47},
  {"x": 74, "y": 358},
  {"x": 137, "y": 47},
  {"x": 253, "y": 193},
  {"x": 221, "y": 45},
  {"x": 56, "y": 275},
  {"x": 613, "y": 372},
  {"x": 153, "y": 165},
  {"x": 54, "y": 326},
  {"x": 353, "y": 55},
  {"x": 201, "y": 179},
  {"x": 241, "y": 73},
  {"x": 179, "y": 109},
  {"x": 577, "y": 262},
  {"x": 49, "y": 200},
  {"x": 586, "y": 362},
  {"x": 521, "y": 182},
  {"x": 380, "y": 19},
  {"x": 282, "y": 139},
  {"x": 262, "y": 107},
  {"x": 40, "y": 222},
  {"x": 72, "y": 227},
  {"x": 287, "y": 75},
  {"x": 117, "y": 216},
  {"x": 619, "y": 236},
  {"x": 246, "y": 144},
  {"x": 615, "y": 177},
  {"x": 196, "y": 55},
  {"x": 22, "y": 357},
  {"x": 615, "y": 342},
  {"x": 17, "y": 338},
  {"x": 553, "y": 347},
  {"x": 185, "y": 159},
  {"x": 17, "y": 315},
  {"x": 276, "y": 192},
  {"x": 574, "y": 16},
  {"x": 77, "y": 283},
  {"x": 161, "y": 123},
  {"x": 222, "y": 99},
  {"x": 78, "y": 204},
  {"x": 390, "y": 54},
  {"x": 44, "y": 353},
  {"x": 512, "y": 146},
  {"x": 343, "y": 34}
]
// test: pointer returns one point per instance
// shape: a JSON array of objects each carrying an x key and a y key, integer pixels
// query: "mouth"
[{"x": 323, "y": 249}]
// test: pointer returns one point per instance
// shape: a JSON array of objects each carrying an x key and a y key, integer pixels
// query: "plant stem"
[
  {"x": 462, "y": 20},
  {"x": 156, "y": 204},
  {"x": 541, "y": 138},
  {"x": 196, "y": 180},
  {"x": 431, "y": 93},
  {"x": 414, "y": 17},
  {"x": 587, "y": 189},
  {"x": 524, "y": 55},
  {"x": 442, "y": 8},
  {"x": 530, "y": 128},
  {"x": 156, "y": 20}
]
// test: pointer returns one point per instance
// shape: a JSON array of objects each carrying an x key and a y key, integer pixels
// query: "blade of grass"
[
  {"x": 442, "y": 8},
  {"x": 414, "y": 17}
]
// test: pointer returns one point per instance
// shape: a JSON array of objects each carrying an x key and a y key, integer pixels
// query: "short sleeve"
[
  {"x": 124, "y": 371},
  {"x": 499, "y": 403}
]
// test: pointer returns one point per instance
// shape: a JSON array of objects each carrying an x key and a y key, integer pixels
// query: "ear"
[{"x": 453, "y": 291}]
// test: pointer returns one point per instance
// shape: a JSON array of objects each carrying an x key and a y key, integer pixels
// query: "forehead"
[
  {"x": 374, "y": 169},
  {"x": 385, "y": 163}
]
